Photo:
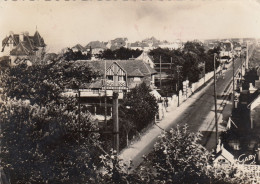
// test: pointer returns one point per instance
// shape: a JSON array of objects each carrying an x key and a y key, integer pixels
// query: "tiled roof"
[
  {"x": 5, "y": 41},
  {"x": 136, "y": 73},
  {"x": 128, "y": 65},
  {"x": 139, "y": 44},
  {"x": 21, "y": 50},
  {"x": 38, "y": 40},
  {"x": 95, "y": 44},
  {"x": 27, "y": 46},
  {"x": 79, "y": 47},
  {"x": 118, "y": 43}
]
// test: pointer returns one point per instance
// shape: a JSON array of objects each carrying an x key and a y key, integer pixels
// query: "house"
[
  {"x": 117, "y": 43},
  {"x": 80, "y": 48},
  {"x": 226, "y": 49},
  {"x": 95, "y": 47},
  {"x": 115, "y": 76},
  {"x": 121, "y": 75},
  {"x": 140, "y": 46},
  {"x": 146, "y": 58},
  {"x": 223, "y": 157},
  {"x": 23, "y": 46}
]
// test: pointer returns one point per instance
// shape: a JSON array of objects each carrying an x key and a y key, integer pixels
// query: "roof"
[
  {"x": 118, "y": 43},
  {"x": 95, "y": 45},
  {"x": 21, "y": 50},
  {"x": 132, "y": 67},
  {"x": 227, "y": 155},
  {"x": 139, "y": 44},
  {"x": 38, "y": 40},
  {"x": 79, "y": 47},
  {"x": 25, "y": 46},
  {"x": 136, "y": 73}
]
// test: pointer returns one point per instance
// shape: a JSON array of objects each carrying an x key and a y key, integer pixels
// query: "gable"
[{"x": 115, "y": 69}]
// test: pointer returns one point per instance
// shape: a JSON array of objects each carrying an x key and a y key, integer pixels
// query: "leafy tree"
[
  {"x": 177, "y": 158},
  {"x": 137, "y": 109},
  {"x": 121, "y": 53},
  {"x": 38, "y": 145},
  {"x": 38, "y": 125},
  {"x": 70, "y": 55}
]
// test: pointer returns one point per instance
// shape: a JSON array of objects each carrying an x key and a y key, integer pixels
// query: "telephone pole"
[
  {"x": 160, "y": 73},
  {"x": 115, "y": 123},
  {"x": 233, "y": 65},
  {"x": 178, "y": 86},
  {"x": 215, "y": 100},
  {"x": 171, "y": 72},
  {"x": 105, "y": 82},
  {"x": 247, "y": 55},
  {"x": 204, "y": 69},
  {"x": 78, "y": 115}
]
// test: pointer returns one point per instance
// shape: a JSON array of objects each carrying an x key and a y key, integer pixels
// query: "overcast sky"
[{"x": 64, "y": 24}]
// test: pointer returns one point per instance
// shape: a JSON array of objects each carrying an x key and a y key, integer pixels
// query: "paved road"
[{"x": 197, "y": 112}]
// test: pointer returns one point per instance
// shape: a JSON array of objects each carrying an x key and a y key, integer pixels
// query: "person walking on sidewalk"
[{"x": 166, "y": 102}]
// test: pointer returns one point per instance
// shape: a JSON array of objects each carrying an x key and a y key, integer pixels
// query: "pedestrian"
[{"x": 166, "y": 102}]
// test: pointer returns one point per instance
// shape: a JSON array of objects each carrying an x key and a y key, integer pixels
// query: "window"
[
  {"x": 121, "y": 78},
  {"x": 110, "y": 77}
]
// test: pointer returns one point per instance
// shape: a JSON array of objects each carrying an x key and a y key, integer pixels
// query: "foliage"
[
  {"x": 78, "y": 55},
  {"x": 121, "y": 54},
  {"x": 39, "y": 142},
  {"x": 177, "y": 158},
  {"x": 137, "y": 109},
  {"x": 43, "y": 83},
  {"x": 190, "y": 60},
  {"x": 39, "y": 147}
]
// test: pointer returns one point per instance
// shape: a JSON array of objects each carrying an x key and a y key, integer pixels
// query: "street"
[{"x": 197, "y": 112}]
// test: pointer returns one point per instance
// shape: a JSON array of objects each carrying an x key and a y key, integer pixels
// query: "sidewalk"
[{"x": 145, "y": 145}]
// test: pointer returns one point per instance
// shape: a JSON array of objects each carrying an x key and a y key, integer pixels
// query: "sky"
[{"x": 66, "y": 23}]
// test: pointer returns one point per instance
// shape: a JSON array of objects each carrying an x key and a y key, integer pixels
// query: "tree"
[
  {"x": 38, "y": 145},
  {"x": 39, "y": 139},
  {"x": 71, "y": 55},
  {"x": 138, "y": 109},
  {"x": 121, "y": 53},
  {"x": 177, "y": 157}
]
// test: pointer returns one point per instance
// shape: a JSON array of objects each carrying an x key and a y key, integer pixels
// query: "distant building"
[
  {"x": 80, "y": 48},
  {"x": 95, "y": 47},
  {"x": 146, "y": 58},
  {"x": 23, "y": 46},
  {"x": 226, "y": 49},
  {"x": 117, "y": 43}
]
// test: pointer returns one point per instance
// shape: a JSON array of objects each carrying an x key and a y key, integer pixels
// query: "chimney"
[{"x": 21, "y": 37}]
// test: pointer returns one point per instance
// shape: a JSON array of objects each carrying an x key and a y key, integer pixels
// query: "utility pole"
[
  {"x": 233, "y": 65},
  {"x": 247, "y": 55},
  {"x": 215, "y": 99},
  {"x": 115, "y": 123},
  {"x": 160, "y": 73},
  {"x": 204, "y": 68},
  {"x": 115, "y": 113},
  {"x": 105, "y": 82},
  {"x": 178, "y": 88},
  {"x": 78, "y": 115},
  {"x": 171, "y": 70}
]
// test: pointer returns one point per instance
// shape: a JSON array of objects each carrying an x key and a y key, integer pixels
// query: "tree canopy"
[
  {"x": 121, "y": 53},
  {"x": 40, "y": 143},
  {"x": 177, "y": 157},
  {"x": 190, "y": 60}
]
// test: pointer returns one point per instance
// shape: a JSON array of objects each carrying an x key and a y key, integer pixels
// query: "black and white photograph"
[{"x": 130, "y": 92}]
